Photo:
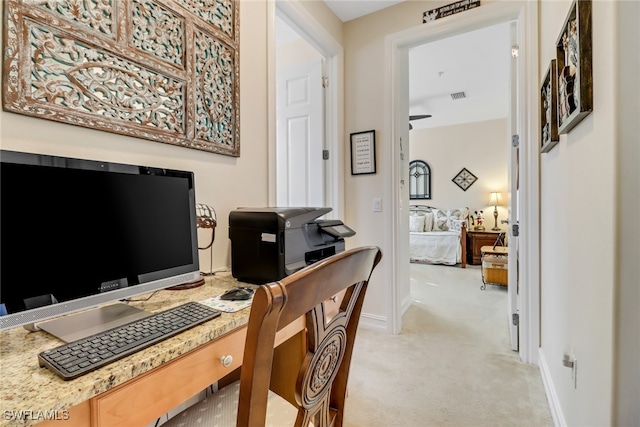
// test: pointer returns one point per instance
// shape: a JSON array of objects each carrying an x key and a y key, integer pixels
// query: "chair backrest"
[{"x": 311, "y": 369}]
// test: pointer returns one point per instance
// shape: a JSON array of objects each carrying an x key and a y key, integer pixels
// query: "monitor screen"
[{"x": 79, "y": 233}]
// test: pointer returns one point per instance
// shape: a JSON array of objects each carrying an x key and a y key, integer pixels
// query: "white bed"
[
  {"x": 443, "y": 244},
  {"x": 435, "y": 247}
]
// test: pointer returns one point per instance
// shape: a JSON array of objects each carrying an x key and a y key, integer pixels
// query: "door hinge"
[
  {"x": 325, "y": 154},
  {"x": 515, "y": 230},
  {"x": 516, "y": 319},
  {"x": 325, "y": 82},
  {"x": 515, "y": 141}
]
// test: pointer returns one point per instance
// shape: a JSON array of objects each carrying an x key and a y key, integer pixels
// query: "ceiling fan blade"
[{"x": 419, "y": 116}]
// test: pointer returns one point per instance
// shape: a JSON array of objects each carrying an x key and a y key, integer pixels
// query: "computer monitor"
[{"x": 77, "y": 234}]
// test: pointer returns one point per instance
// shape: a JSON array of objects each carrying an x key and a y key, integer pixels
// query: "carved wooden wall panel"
[{"x": 164, "y": 70}]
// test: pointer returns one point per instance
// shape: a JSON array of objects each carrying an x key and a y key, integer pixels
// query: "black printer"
[{"x": 268, "y": 244}]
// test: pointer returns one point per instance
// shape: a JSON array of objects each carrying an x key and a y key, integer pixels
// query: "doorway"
[
  {"x": 397, "y": 45},
  {"x": 467, "y": 97},
  {"x": 323, "y": 182},
  {"x": 300, "y": 175}
]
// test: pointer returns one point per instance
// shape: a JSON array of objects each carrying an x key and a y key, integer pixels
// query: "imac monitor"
[{"x": 76, "y": 234}]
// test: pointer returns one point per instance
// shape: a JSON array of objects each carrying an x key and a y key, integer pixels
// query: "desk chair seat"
[
  {"x": 304, "y": 380},
  {"x": 221, "y": 410}
]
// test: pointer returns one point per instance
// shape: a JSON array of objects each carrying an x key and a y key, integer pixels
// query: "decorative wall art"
[
  {"x": 549, "y": 110},
  {"x": 162, "y": 70},
  {"x": 363, "y": 152},
  {"x": 573, "y": 60},
  {"x": 464, "y": 179}
]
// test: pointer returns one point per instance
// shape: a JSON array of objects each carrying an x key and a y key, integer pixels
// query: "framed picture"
[
  {"x": 363, "y": 152},
  {"x": 549, "y": 136},
  {"x": 464, "y": 179},
  {"x": 573, "y": 61}
]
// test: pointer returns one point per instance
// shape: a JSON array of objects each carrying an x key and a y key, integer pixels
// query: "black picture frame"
[
  {"x": 464, "y": 179},
  {"x": 363, "y": 152},
  {"x": 574, "y": 67},
  {"x": 549, "y": 136}
]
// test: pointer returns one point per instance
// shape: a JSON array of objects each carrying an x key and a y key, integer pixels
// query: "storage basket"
[{"x": 495, "y": 269}]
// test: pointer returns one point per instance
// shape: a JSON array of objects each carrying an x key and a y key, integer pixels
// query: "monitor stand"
[{"x": 86, "y": 323}]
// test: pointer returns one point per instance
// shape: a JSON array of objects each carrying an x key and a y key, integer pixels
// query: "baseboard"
[
  {"x": 550, "y": 391},
  {"x": 373, "y": 322},
  {"x": 406, "y": 303}
]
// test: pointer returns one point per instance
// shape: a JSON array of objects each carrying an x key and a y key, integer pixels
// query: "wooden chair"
[{"x": 304, "y": 380}]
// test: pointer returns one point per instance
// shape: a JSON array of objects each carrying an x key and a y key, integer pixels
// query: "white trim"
[
  {"x": 373, "y": 322},
  {"x": 525, "y": 13},
  {"x": 315, "y": 34},
  {"x": 529, "y": 245},
  {"x": 272, "y": 128},
  {"x": 550, "y": 391}
]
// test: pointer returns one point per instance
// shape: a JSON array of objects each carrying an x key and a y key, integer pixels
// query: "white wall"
[
  {"x": 580, "y": 195},
  {"x": 481, "y": 148},
  {"x": 627, "y": 349}
]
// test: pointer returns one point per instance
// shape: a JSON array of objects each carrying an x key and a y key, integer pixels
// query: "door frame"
[
  {"x": 299, "y": 18},
  {"x": 525, "y": 14}
]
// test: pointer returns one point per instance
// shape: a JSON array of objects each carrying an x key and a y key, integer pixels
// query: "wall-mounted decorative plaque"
[
  {"x": 464, "y": 179},
  {"x": 163, "y": 70}
]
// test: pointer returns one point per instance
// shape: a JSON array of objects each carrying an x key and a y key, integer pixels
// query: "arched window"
[{"x": 419, "y": 180}]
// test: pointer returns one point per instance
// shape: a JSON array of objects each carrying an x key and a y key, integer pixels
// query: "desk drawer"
[{"x": 139, "y": 401}]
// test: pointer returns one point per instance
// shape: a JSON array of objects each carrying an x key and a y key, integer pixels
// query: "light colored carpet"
[{"x": 450, "y": 366}]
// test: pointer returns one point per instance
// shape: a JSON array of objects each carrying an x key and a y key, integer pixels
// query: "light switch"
[{"x": 377, "y": 204}]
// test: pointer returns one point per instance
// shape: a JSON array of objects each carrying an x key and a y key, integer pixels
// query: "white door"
[
  {"x": 300, "y": 135},
  {"x": 514, "y": 177}
]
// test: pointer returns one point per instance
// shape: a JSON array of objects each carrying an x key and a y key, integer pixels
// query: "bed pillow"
[
  {"x": 416, "y": 223},
  {"x": 440, "y": 220},
  {"x": 455, "y": 224},
  {"x": 428, "y": 221},
  {"x": 456, "y": 214}
]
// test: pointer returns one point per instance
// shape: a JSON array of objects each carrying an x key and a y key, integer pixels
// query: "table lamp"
[{"x": 495, "y": 200}]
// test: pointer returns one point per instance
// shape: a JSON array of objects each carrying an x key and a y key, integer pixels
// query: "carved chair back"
[{"x": 310, "y": 370}]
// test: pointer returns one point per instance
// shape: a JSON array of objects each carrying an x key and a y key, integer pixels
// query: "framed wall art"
[
  {"x": 549, "y": 110},
  {"x": 573, "y": 61},
  {"x": 162, "y": 70},
  {"x": 464, "y": 179},
  {"x": 363, "y": 152}
]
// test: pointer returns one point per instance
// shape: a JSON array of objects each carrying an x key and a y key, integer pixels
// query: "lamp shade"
[{"x": 495, "y": 199}]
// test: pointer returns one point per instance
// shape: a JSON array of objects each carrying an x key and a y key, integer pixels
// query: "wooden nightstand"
[{"x": 475, "y": 241}]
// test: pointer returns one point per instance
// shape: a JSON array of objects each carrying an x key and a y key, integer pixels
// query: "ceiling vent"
[{"x": 458, "y": 95}]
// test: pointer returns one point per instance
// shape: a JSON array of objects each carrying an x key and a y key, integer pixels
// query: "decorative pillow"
[
  {"x": 456, "y": 213},
  {"x": 455, "y": 224},
  {"x": 428, "y": 221},
  {"x": 440, "y": 222},
  {"x": 416, "y": 223},
  {"x": 443, "y": 219}
]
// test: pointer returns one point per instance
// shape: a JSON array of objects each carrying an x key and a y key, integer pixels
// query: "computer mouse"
[{"x": 238, "y": 293}]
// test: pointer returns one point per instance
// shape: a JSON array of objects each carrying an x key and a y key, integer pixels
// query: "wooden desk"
[{"x": 135, "y": 390}]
